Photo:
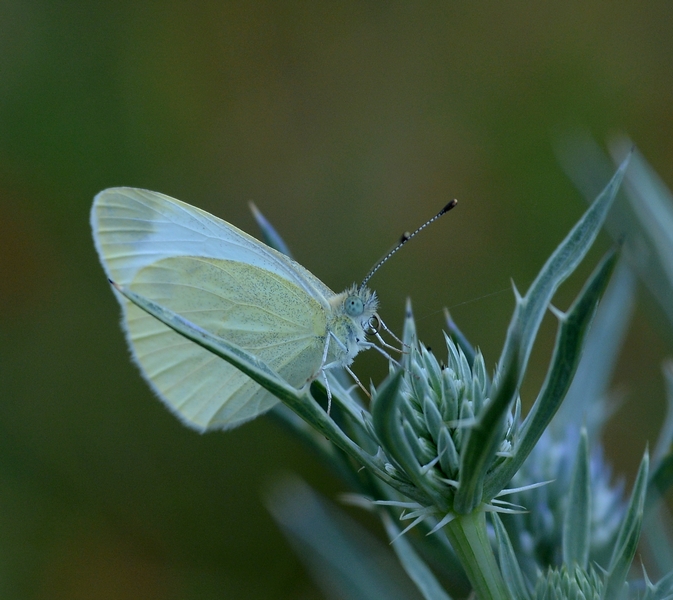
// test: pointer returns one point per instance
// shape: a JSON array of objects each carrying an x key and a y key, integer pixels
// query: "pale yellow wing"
[
  {"x": 133, "y": 228},
  {"x": 136, "y": 231},
  {"x": 255, "y": 309}
]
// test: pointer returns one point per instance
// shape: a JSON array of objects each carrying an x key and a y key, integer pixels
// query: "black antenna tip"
[
  {"x": 406, "y": 236},
  {"x": 448, "y": 207}
]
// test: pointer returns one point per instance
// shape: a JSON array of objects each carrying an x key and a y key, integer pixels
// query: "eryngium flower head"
[
  {"x": 537, "y": 533},
  {"x": 425, "y": 428},
  {"x": 572, "y": 583}
]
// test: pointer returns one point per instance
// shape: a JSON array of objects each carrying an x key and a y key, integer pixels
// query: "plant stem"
[{"x": 469, "y": 539}]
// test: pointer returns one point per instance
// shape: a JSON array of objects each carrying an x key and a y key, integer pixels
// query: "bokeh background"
[{"x": 347, "y": 124}]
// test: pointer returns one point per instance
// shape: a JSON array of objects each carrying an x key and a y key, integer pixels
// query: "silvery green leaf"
[
  {"x": 665, "y": 440},
  {"x": 509, "y": 566},
  {"x": 346, "y": 405},
  {"x": 345, "y": 560},
  {"x": 530, "y": 308},
  {"x": 269, "y": 234},
  {"x": 577, "y": 521},
  {"x": 585, "y": 401},
  {"x": 656, "y": 542},
  {"x": 657, "y": 516},
  {"x": 521, "y": 334},
  {"x": 627, "y": 540},
  {"x": 631, "y": 219},
  {"x": 652, "y": 204},
  {"x": 573, "y": 326}
]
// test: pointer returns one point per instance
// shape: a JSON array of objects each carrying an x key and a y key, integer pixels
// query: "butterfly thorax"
[{"x": 353, "y": 315}]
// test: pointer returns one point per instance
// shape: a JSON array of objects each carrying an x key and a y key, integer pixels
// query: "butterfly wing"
[
  {"x": 224, "y": 281},
  {"x": 248, "y": 306},
  {"x": 134, "y": 228}
]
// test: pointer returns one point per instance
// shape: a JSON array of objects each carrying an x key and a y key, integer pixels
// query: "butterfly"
[{"x": 237, "y": 288}]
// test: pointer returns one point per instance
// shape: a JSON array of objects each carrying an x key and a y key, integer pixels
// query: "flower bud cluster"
[
  {"x": 569, "y": 582},
  {"x": 439, "y": 405},
  {"x": 537, "y": 533}
]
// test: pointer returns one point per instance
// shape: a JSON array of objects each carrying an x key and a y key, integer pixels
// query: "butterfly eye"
[
  {"x": 373, "y": 325},
  {"x": 354, "y": 306}
]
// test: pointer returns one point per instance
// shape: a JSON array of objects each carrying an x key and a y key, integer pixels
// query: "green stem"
[{"x": 469, "y": 539}]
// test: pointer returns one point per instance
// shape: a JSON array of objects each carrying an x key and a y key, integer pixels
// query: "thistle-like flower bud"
[
  {"x": 537, "y": 533},
  {"x": 424, "y": 425},
  {"x": 569, "y": 582}
]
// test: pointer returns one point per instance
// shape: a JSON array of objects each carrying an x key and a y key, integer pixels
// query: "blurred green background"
[{"x": 346, "y": 123}]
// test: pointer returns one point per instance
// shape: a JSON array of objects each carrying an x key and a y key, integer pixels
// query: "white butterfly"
[{"x": 235, "y": 287}]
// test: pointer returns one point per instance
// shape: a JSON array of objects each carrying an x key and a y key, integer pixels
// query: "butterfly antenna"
[{"x": 404, "y": 239}]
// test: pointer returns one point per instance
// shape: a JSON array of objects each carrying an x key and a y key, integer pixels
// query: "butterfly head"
[{"x": 360, "y": 305}]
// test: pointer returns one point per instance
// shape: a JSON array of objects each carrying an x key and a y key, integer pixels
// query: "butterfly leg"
[
  {"x": 382, "y": 351},
  {"x": 339, "y": 363},
  {"x": 391, "y": 334},
  {"x": 355, "y": 378},
  {"x": 328, "y": 390},
  {"x": 349, "y": 371},
  {"x": 323, "y": 367},
  {"x": 385, "y": 344}
]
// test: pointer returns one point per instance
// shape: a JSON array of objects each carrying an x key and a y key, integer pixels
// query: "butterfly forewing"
[
  {"x": 222, "y": 280},
  {"x": 134, "y": 228}
]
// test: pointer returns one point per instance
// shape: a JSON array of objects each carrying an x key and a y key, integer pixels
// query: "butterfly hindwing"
[{"x": 254, "y": 309}]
